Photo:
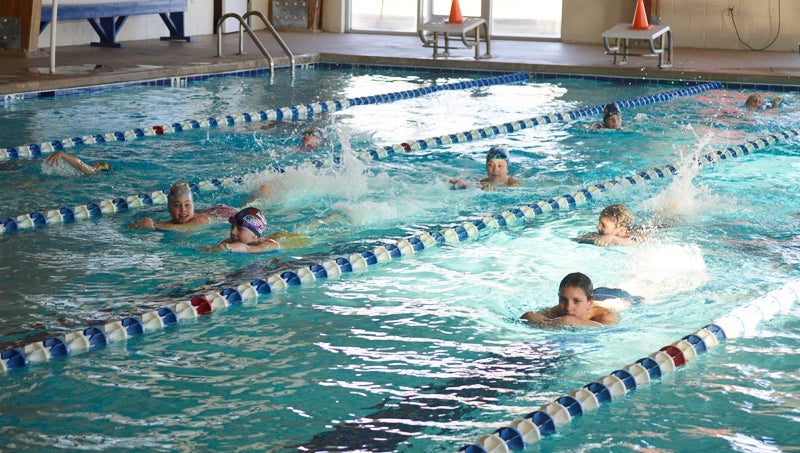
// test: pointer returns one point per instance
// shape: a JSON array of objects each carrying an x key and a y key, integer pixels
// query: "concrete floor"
[{"x": 149, "y": 59}]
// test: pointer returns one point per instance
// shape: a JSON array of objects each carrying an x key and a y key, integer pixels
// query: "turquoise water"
[{"x": 422, "y": 353}]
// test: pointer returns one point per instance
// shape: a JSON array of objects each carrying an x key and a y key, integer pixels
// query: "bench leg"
[
  {"x": 174, "y": 22},
  {"x": 107, "y": 29}
]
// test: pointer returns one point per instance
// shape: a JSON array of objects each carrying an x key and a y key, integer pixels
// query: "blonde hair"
[{"x": 619, "y": 214}]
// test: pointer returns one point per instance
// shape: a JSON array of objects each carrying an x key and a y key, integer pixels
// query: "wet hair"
[
  {"x": 754, "y": 101},
  {"x": 619, "y": 214},
  {"x": 180, "y": 189},
  {"x": 577, "y": 280}
]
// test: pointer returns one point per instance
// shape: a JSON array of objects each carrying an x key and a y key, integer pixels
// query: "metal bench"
[
  {"x": 108, "y": 18},
  {"x": 622, "y": 33}
]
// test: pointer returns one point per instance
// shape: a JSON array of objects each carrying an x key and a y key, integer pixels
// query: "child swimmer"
[
  {"x": 496, "y": 171},
  {"x": 575, "y": 307},
  {"x": 615, "y": 227},
  {"x": 180, "y": 204},
  {"x": 247, "y": 235}
]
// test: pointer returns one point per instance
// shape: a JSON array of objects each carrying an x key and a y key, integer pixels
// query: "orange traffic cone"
[
  {"x": 455, "y": 14},
  {"x": 640, "y": 18}
]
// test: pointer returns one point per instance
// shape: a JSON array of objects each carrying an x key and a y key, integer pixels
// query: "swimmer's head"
[
  {"x": 497, "y": 152},
  {"x": 619, "y": 214},
  {"x": 313, "y": 137},
  {"x": 754, "y": 101},
  {"x": 612, "y": 116},
  {"x": 252, "y": 219},
  {"x": 180, "y": 189},
  {"x": 101, "y": 166},
  {"x": 577, "y": 280}
]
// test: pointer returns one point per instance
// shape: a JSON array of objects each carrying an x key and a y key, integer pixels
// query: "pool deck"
[{"x": 84, "y": 65}]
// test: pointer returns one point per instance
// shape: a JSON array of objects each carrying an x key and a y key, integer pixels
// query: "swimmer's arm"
[
  {"x": 169, "y": 225},
  {"x": 607, "y": 240},
  {"x": 603, "y": 316},
  {"x": 265, "y": 245},
  {"x": 458, "y": 183},
  {"x": 71, "y": 160},
  {"x": 776, "y": 102},
  {"x": 223, "y": 246},
  {"x": 512, "y": 182},
  {"x": 571, "y": 320},
  {"x": 263, "y": 191},
  {"x": 143, "y": 224}
]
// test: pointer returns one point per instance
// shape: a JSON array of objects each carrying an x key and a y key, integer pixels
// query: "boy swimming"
[
  {"x": 615, "y": 227},
  {"x": 575, "y": 307},
  {"x": 180, "y": 204},
  {"x": 70, "y": 165},
  {"x": 757, "y": 102},
  {"x": 496, "y": 171}
]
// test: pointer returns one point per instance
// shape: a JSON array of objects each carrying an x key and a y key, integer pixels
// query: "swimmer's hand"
[
  {"x": 458, "y": 183},
  {"x": 146, "y": 223}
]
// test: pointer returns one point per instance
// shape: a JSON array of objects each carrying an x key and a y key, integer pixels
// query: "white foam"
[{"x": 657, "y": 270}]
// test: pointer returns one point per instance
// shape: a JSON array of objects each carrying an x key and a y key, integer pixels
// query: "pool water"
[{"x": 423, "y": 353}]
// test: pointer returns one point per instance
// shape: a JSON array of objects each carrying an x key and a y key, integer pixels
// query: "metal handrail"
[
  {"x": 275, "y": 34},
  {"x": 243, "y": 26}
]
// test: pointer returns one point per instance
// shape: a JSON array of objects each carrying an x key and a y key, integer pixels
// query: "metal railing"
[{"x": 243, "y": 26}]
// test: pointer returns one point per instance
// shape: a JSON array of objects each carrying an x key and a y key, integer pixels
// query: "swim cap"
[
  {"x": 101, "y": 166},
  {"x": 611, "y": 110},
  {"x": 180, "y": 189},
  {"x": 497, "y": 152},
  {"x": 252, "y": 219},
  {"x": 315, "y": 132}
]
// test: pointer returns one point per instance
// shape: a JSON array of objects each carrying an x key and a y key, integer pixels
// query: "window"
[{"x": 508, "y": 18}]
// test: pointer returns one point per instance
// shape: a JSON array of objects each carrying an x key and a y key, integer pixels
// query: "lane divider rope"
[
  {"x": 546, "y": 420},
  {"x": 513, "y": 126},
  {"x": 119, "y": 330},
  {"x": 39, "y": 219},
  {"x": 119, "y": 204},
  {"x": 294, "y": 112}
]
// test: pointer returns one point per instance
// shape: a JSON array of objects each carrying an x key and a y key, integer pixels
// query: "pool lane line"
[
  {"x": 83, "y": 340},
  {"x": 294, "y": 112},
  {"x": 40, "y": 219},
  {"x": 546, "y": 420},
  {"x": 513, "y": 126}
]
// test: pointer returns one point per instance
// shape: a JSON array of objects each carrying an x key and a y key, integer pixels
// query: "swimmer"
[
  {"x": 55, "y": 160},
  {"x": 180, "y": 204},
  {"x": 757, "y": 102},
  {"x": 612, "y": 118},
  {"x": 575, "y": 307},
  {"x": 247, "y": 235},
  {"x": 496, "y": 171},
  {"x": 312, "y": 139},
  {"x": 615, "y": 227}
]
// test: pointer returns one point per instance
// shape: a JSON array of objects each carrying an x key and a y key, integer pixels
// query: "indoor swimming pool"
[{"x": 396, "y": 328}]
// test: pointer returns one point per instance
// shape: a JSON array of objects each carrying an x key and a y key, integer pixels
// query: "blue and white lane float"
[
  {"x": 513, "y": 126},
  {"x": 41, "y": 219},
  {"x": 118, "y": 330},
  {"x": 546, "y": 420},
  {"x": 277, "y": 114}
]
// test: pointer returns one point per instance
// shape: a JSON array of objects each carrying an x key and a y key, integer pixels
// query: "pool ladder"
[{"x": 243, "y": 26}]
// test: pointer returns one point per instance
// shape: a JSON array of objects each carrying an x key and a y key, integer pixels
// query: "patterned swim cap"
[
  {"x": 497, "y": 152},
  {"x": 252, "y": 219}
]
